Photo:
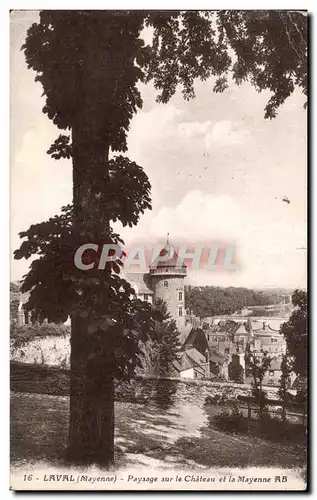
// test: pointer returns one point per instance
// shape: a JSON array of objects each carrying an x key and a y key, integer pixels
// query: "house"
[
  {"x": 196, "y": 339},
  {"x": 194, "y": 357},
  {"x": 274, "y": 372},
  {"x": 141, "y": 284},
  {"x": 193, "y": 364},
  {"x": 218, "y": 363},
  {"x": 270, "y": 340}
]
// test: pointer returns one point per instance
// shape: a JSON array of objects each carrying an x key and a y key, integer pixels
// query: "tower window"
[
  {"x": 146, "y": 297},
  {"x": 165, "y": 284},
  {"x": 180, "y": 295},
  {"x": 180, "y": 311}
]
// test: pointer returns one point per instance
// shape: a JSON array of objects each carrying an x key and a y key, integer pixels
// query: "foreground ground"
[{"x": 147, "y": 435}]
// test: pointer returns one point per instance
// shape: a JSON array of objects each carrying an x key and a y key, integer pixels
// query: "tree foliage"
[
  {"x": 235, "y": 371},
  {"x": 266, "y": 48},
  {"x": 285, "y": 381},
  {"x": 210, "y": 301},
  {"x": 271, "y": 51},
  {"x": 159, "y": 352},
  {"x": 14, "y": 287},
  {"x": 14, "y": 302},
  {"x": 295, "y": 331},
  {"x": 14, "y": 310},
  {"x": 20, "y": 335},
  {"x": 73, "y": 51},
  {"x": 257, "y": 364}
]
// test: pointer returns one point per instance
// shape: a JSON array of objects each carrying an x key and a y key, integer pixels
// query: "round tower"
[{"x": 167, "y": 283}]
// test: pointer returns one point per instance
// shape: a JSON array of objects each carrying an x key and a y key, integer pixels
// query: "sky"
[{"x": 218, "y": 169}]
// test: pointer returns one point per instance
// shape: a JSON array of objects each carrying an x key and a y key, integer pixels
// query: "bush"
[
  {"x": 227, "y": 396},
  {"x": 236, "y": 372},
  {"x": 301, "y": 396},
  {"x": 212, "y": 400},
  {"x": 230, "y": 421},
  {"x": 278, "y": 430}
]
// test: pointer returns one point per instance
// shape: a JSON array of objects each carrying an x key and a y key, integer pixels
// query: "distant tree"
[
  {"x": 211, "y": 301},
  {"x": 236, "y": 372},
  {"x": 257, "y": 365},
  {"x": 14, "y": 287},
  {"x": 21, "y": 334},
  {"x": 159, "y": 352},
  {"x": 285, "y": 380},
  {"x": 14, "y": 303},
  {"x": 14, "y": 310},
  {"x": 295, "y": 331},
  {"x": 90, "y": 64}
]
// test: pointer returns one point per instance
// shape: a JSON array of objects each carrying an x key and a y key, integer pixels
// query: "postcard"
[{"x": 158, "y": 287}]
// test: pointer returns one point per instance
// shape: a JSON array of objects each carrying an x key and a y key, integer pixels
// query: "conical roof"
[{"x": 171, "y": 258}]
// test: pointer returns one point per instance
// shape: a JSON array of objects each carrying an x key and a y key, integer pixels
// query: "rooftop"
[
  {"x": 139, "y": 281},
  {"x": 170, "y": 259}
]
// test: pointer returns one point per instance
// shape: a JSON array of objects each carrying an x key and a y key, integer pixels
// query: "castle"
[{"x": 164, "y": 281}]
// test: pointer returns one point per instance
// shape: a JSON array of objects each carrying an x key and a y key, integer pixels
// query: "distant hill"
[
  {"x": 276, "y": 290},
  {"x": 206, "y": 301}
]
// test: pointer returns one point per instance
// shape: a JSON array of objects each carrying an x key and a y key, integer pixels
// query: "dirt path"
[{"x": 146, "y": 435}]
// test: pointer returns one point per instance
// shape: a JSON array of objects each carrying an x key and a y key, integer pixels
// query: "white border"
[{"x": 4, "y": 184}]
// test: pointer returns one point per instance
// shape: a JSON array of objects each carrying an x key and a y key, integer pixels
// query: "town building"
[{"x": 225, "y": 348}]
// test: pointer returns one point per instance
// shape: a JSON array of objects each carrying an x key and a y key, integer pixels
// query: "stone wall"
[
  {"x": 42, "y": 379},
  {"x": 50, "y": 350}
]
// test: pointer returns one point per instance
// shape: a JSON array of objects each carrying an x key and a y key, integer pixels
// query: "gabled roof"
[
  {"x": 193, "y": 334},
  {"x": 196, "y": 356},
  {"x": 139, "y": 281},
  {"x": 241, "y": 330},
  {"x": 191, "y": 359},
  {"x": 176, "y": 365},
  {"x": 185, "y": 332}
]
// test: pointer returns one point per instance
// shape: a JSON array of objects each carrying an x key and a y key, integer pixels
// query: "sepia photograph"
[{"x": 158, "y": 275}]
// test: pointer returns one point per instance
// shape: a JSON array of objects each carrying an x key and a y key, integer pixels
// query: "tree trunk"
[
  {"x": 261, "y": 401},
  {"x": 91, "y": 424}
]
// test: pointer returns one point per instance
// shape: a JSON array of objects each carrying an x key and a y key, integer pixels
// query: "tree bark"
[{"x": 91, "y": 423}]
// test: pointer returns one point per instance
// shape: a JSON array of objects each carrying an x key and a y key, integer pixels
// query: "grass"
[{"x": 179, "y": 436}]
